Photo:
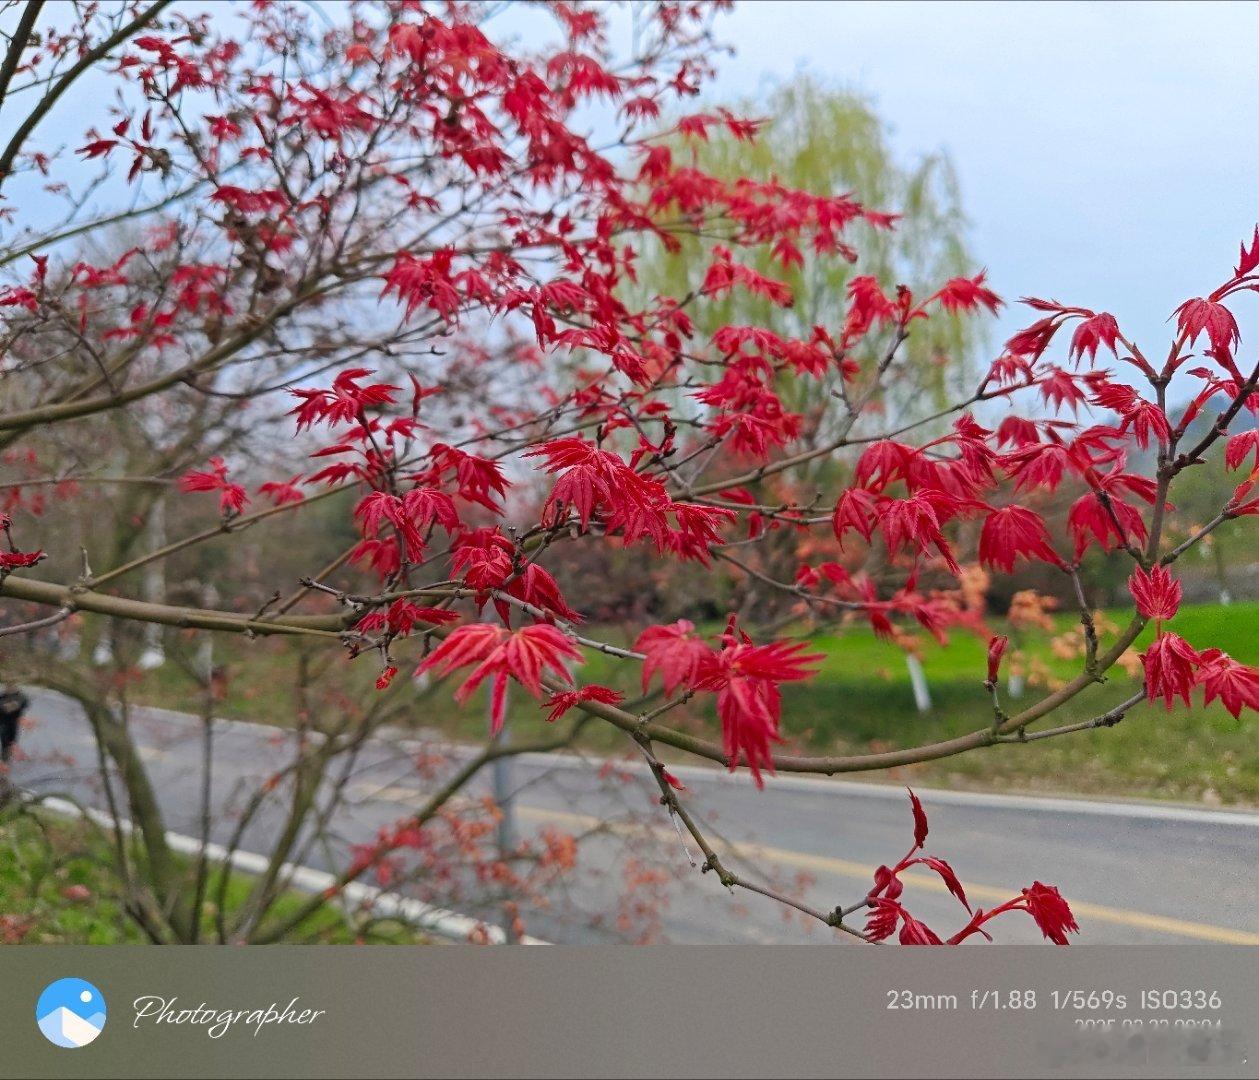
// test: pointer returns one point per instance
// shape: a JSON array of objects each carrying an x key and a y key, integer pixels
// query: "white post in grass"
[{"x": 918, "y": 680}]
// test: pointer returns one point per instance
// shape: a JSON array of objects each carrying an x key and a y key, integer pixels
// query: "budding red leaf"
[
  {"x": 996, "y": 650},
  {"x": 672, "y": 780},
  {"x": 949, "y": 878},
  {"x": 1050, "y": 911},
  {"x": 920, "y": 820},
  {"x": 968, "y": 295},
  {"x": 881, "y": 922},
  {"x": 559, "y": 703},
  {"x": 1156, "y": 592},
  {"x": 17, "y": 560}
]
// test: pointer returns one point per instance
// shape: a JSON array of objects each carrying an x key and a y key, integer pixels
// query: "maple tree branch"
[
  {"x": 46, "y": 481},
  {"x": 713, "y": 862},
  {"x": 37, "y": 624},
  {"x": 830, "y": 765},
  {"x": 232, "y": 525},
  {"x": 17, "y": 44},
  {"x": 76, "y": 598},
  {"x": 1221, "y": 425},
  {"x": 432, "y": 806},
  {"x": 1196, "y": 538},
  {"x": 1107, "y": 719},
  {"x": 75, "y": 407},
  {"x": 1087, "y": 621},
  {"x": 54, "y": 92}
]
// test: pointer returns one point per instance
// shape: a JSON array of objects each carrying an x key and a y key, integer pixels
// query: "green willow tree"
[{"x": 832, "y": 140}]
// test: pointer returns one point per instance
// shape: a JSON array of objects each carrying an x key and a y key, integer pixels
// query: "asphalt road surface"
[{"x": 1134, "y": 872}]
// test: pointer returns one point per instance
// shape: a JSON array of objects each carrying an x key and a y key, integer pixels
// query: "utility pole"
[
  {"x": 154, "y": 653},
  {"x": 501, "y": 780}
]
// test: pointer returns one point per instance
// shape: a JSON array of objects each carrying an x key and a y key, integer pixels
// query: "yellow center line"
[{"x": 827, "y": 864}]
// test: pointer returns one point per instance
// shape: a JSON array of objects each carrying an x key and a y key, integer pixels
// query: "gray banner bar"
[{"x": 620, "y": 1011}]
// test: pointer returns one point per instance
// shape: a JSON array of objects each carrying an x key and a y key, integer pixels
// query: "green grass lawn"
[
  {"x": 56, "y": 888},
  {"x": 1183, "y": 754},
  {"x": 860, "y": 701}
]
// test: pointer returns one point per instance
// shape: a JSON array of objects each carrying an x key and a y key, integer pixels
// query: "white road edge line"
[
  {"x": 1060, "y": 804},
  {"x": 1067, "y": 804},
  {"x": 449, "y": 924}
]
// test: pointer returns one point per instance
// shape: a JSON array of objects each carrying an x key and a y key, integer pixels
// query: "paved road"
[{"x": 1134, "y": 872}]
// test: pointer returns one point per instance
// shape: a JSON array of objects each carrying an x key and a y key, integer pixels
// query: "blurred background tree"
[
  {"x": 828, "y": 140},
  {"x": 832, "y": 140}
]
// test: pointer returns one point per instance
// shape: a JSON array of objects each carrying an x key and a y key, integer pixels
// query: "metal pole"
[
  {"x": 154, "y": 653},
  {"x": 205, "y": 658},
  {"x": 501, "y": 780}
]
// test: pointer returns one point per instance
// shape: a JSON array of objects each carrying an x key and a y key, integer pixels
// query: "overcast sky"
[{"x": 1108, "y": 153}]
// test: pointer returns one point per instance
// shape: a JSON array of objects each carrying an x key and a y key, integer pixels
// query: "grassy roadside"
[
  {"x": 56, "y": 888},
  {"x": 861, "y": 701},
  {"x": 1198, "y": 754}
]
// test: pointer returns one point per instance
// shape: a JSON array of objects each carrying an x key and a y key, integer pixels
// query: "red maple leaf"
[
  {"x": 498, "y": 653},
  {"x": 968, "y": 295},
  {"x": 1235, "y": 684},
  {"x": 1171, "y": 665},
  {"x": 674, "y": 651},
  {"x": 1200, "y": 315},
  {"x": 1093, "y": 332},
  {"x": 1011, "y": 532},
  {"x": 232, "y": 497},
  {"x": 746, "y": 678}
]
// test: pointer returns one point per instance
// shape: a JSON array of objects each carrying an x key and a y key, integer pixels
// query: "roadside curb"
[
  {"x": 436, "y": 920},
  {"x": 1056, "y": 803}
]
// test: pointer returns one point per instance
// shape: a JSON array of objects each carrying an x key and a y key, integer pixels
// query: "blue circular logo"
[{"x": 70, "y": 1012}]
